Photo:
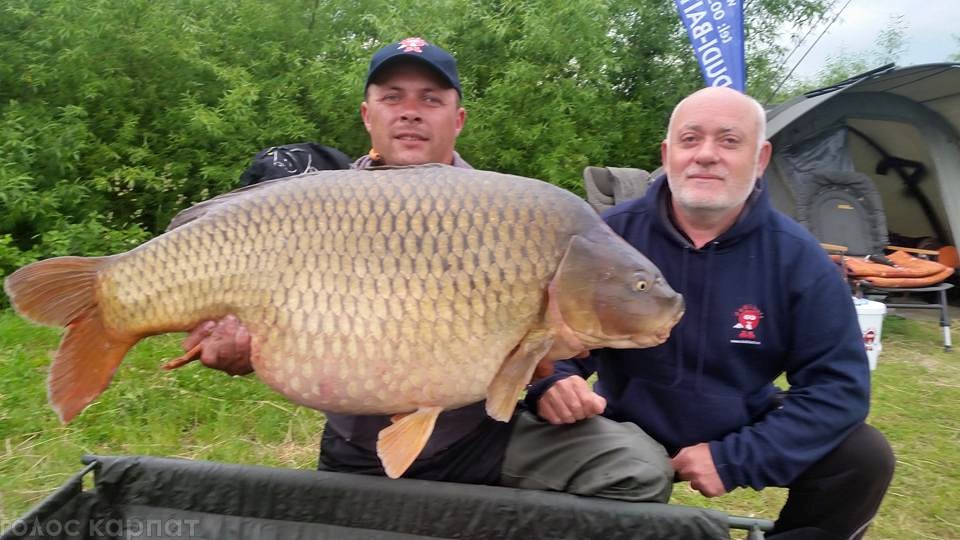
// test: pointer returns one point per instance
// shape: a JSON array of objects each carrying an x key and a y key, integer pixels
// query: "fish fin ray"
[
  {"x": 84, "y": 364},
  {"x": 515, "y": 373},
  {"x": 63, "y": 292},
  {"x": 399, "y": 445},
  {"x": 55, "y": 291}
]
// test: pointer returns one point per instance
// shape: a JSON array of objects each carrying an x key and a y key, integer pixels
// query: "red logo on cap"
[{"x": 413, "y": 44}]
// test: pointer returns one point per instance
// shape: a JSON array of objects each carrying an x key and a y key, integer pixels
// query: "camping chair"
[
  {"x": 844, "y": 209},
  {"x": 609, "y": 186}
]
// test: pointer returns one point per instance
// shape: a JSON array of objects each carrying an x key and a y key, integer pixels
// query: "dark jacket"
[{"x": 762, "y": 299}]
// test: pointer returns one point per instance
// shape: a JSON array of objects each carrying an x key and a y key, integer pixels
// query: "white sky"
[{"x": 929, "y": 30}]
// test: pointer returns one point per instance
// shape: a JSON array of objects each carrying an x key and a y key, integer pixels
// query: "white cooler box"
[{"x": 870, "y": 316}]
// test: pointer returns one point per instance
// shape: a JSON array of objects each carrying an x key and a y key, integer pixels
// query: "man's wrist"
[{"x": 536, "y": 389}]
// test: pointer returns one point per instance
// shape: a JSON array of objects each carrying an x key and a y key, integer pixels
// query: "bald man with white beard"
[{"x": 763, "y": 299}]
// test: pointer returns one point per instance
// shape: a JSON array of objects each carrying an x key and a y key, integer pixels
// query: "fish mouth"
[
  {"x": 659, "y": 335},
  {"x": 647, "y": 340},
  {"x": 641, "y": 340},
  {"x": 636, "y": 341}
]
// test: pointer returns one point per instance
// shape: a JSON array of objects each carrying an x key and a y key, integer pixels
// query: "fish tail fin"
[
  {"x": 88, "y": 356},
  {"x": 399, "y": 444},
  {"x": 62, "y": 292},
  {"x": 55, "y": 291}
]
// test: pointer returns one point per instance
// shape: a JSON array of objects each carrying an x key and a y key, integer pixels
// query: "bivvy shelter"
[
  {"x": 874, "y": 161},
  {"x": 898, "y": 127}
]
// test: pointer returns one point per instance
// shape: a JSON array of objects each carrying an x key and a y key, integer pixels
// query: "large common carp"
[{"x": 401, "y": 291}]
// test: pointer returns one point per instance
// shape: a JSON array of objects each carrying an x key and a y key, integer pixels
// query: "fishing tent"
[{"x": 899, "y": 126}]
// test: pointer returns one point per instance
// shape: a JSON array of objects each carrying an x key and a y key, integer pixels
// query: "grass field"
[{"x": 201, "y": 414}]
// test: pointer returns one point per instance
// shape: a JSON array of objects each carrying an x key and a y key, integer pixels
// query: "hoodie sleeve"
[
  {"x": 829, "y": 390},
  {"x": 584, "y": 367}
]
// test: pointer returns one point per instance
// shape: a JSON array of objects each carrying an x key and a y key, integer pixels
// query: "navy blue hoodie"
[{"x": 762, "y": 299}]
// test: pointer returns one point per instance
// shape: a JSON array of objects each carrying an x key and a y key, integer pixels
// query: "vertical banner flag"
[{"x": 715, "y": 29}]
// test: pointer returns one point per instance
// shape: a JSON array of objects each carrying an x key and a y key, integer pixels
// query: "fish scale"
[
  {"x": 381, "y": 291},
  {"x": 406, "y": 224}
]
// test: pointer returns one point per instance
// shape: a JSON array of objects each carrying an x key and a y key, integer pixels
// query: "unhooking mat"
[{"x": 148, "y": 497}]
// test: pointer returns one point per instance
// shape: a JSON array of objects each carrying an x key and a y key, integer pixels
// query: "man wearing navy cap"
[
  {"x": 411, "y": 105},
  {"x": 412, "y": 111}
]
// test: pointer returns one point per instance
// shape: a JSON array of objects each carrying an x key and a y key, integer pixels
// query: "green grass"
[
  {"x": 202, "y": 414},
  {"x": 191, "y": 412}
]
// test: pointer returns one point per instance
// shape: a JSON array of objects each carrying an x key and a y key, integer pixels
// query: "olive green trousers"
[{"x": 594, "y": 457}]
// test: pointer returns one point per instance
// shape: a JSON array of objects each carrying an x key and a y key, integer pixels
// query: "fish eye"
[{"x": 640, "y": 285}]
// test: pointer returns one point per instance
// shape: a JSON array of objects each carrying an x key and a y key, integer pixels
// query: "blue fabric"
[
  {"x": 713, "y": 381},
  {"x": 715, "y": 30}
]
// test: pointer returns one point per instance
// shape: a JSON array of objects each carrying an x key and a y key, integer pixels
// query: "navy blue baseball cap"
[{"x": 417, "y": 49}]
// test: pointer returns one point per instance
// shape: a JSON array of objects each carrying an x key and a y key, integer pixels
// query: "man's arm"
[
  {"x": 566, "y": 397},
  {"x": 829, "y": 392}
]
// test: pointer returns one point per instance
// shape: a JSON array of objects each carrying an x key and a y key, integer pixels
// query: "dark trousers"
[{"x": 838, "y": 496}]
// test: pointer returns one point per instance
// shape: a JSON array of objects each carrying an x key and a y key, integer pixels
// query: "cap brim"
[{"x": 387, "y": 62}]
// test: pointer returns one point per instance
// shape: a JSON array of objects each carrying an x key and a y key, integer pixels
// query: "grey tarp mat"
[{"x": 170, "y": 498}]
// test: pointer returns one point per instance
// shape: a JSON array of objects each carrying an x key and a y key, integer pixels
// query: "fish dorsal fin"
[
  {"x": 202, "y": 208},
  {"x": 399, "y": 445},
  {"x": 515, "y": 373}
]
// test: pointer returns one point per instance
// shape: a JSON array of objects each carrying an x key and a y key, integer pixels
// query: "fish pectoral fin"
[
  {"x": 399, "y": 444},
  {"x": 515, "y": 373}
]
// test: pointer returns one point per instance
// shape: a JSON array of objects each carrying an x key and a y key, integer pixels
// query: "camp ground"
[
  {"x": 898, "y": 126},
  {"x": 891, "y": 118}
]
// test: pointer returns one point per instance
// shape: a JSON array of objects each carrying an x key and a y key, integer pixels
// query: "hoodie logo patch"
[{"x": 748, "y": 319}]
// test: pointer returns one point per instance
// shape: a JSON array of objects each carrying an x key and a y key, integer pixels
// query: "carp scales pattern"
[{"x": 400, "y": 291}]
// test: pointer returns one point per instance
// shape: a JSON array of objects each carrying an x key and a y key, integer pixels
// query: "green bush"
[{"x": 116, "y": 114}]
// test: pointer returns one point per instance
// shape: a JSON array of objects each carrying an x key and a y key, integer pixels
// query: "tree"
[{"x": 116, "y": 114}]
